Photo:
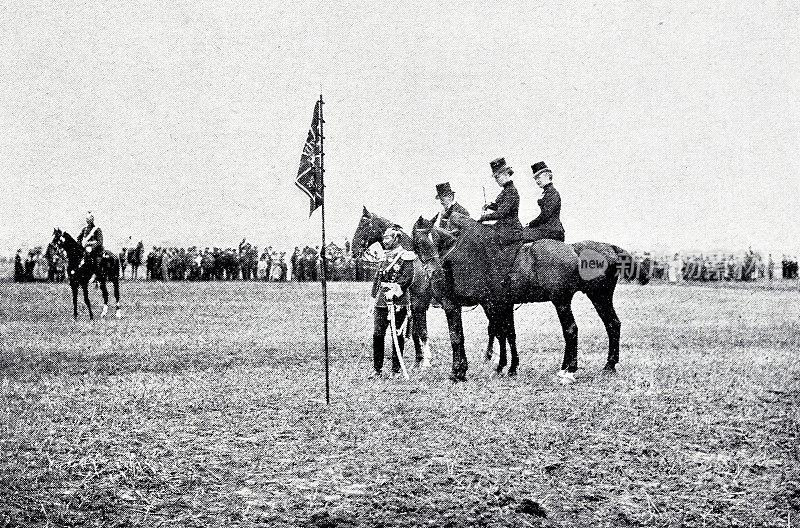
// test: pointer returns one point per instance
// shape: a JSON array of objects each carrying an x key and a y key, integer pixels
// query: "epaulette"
[{"x": 408, "y": 255}]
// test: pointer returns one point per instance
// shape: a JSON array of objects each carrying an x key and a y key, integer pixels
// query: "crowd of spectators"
[
  {"x": 744, "y": 266},
  {"x": 40, "y": 265},
  {"x": 247, "y": 262}
]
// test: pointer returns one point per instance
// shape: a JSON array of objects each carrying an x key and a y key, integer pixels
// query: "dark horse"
[
  {"x": 468, "y": 270},
  {"x": 106, "y": 270},
  {"x": 370, "y": 230}
]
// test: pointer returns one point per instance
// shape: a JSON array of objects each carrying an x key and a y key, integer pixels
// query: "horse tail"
[{"x": 627, "y": 267}]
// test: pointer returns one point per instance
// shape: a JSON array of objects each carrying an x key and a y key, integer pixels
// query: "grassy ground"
[{"x": 204, "y": 406}]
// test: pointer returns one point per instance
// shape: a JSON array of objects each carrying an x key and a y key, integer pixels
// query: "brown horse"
[
  {"x": 471, "y": 269},
  {"x": 107, "y": 269},
  {"x": 370, "y": 230}
]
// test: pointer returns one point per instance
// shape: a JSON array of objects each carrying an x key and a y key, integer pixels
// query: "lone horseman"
[
  {"x": 505, "y": 208},
  {"x": 447, "y": 198},
  {"x": 392, "y": 301},
  {"x": 91, "y": 238},
  {"x": 548, "y": 223}
]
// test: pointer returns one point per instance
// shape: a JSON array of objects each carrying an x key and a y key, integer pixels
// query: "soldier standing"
[
  {"x": 548, "y": 223},
  {"x": 19, "y": 268},
  {"x": 390, "y": 290}
]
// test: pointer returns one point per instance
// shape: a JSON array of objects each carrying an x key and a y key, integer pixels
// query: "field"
[{"x": 204, "y": 406}]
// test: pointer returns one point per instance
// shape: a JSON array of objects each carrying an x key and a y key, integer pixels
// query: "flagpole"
[{"x": 324, "y": 255}]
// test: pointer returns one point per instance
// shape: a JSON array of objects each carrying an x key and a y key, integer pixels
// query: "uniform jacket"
[
  {"x": 505, "y": 209},
  {"x": 549, "y": 220},
  {"x": 401, "y": 272},
  {"x": 455, "y": 207},
  {"x": 95, "y": 241}
]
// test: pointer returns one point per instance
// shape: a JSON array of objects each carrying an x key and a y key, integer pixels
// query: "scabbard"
[{"x": 393, "y": 330}]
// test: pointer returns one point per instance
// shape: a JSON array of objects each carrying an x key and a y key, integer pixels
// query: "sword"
[{"x": 391, "y": 307}]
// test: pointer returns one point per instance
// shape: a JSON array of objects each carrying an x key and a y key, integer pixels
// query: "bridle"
[
  {"x": 370, "y": 227},
  {"x": 432, "y": 263}
]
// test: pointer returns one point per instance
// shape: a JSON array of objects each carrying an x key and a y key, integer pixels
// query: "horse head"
[
  {"x": 424, "y": 236},
  {"x": 370, "y": 230}
]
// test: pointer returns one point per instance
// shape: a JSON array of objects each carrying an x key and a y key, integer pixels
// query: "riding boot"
[{"x": 377, "y": 352}]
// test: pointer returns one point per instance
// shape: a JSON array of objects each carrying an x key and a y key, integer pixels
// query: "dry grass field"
[{"x": 204, "y": 406}]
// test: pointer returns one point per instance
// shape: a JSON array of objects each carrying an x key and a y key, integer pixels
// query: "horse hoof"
[
  {"x": 609, "y": 369},
  {"x": 118, "y": 315},
  {"x": 568, "y": 378},
  {"x": 561, "y": 373},
  {"x": 512, "y": 373},
  {"x": 104, "y": 312},
  {"x": 455, "y": 378}
]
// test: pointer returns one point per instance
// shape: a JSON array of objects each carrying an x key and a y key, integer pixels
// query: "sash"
[
  {"x": 89, "y": 235},
  {"x": 393, "y": 262}
]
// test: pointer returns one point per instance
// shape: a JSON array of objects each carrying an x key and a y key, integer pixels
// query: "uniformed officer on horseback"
[
  {"x": 390, "y": 290},
  {"x": 447, "y": 198},
  {"x": 91, "y": 238},
  {"x": 505, "y": 208},
  {"x": 548, "y": 223}
]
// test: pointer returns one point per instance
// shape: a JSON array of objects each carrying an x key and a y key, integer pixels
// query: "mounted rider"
[
  {"x": 548, "y": 223},
  {"x": 505, "y": 208},
  {"x": 91, "y": 238},
  {"x": 447, "y": 198},
  {"x": 392, "y": 300}
]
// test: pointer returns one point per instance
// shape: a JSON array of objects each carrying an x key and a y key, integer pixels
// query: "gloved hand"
[
  {"x": 88, "y": 249},
  {"x": 391, "y": 290}
]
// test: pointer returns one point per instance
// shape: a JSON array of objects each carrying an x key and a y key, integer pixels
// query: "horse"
[
  {"x": 370, "y": 230},
  {"x": 134, "y": 258},
  {"x": 106, "y": 270},
  {"x": 466, "y": 271}
]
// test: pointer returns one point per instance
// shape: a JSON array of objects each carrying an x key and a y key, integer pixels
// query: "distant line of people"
[
  {"x": 746, "y": 266},
  {"x": 247, "y": 263}
]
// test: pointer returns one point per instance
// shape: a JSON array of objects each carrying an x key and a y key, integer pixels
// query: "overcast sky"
[{"x": 667, "y": 126}]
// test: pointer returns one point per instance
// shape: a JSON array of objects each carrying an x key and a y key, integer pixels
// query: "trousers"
[{"x": 381, "y": 324}]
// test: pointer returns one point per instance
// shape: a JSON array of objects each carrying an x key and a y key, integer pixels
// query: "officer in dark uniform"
[
  {"x": 505, "y": 208},
  {"x": 19, "y": 268},
  {"x": 390, "y": 290},
  {"x": 447, "y": 198},
  {"x": 548, "y": 223},
  {"x": 91, "y": 238}
]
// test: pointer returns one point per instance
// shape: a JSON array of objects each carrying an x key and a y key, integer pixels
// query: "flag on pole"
[{"x": 309, "y": 177}]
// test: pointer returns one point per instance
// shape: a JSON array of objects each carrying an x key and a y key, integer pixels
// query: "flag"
[{"x": 309, "y": 177}]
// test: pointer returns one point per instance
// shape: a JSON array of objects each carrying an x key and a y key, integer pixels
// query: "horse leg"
[
  {"x": 118, "y": 311},
  {"x": 74, "y": 301},
  {"x": 491, "y": 332},
  {"x": 570, "y": 329},
  {"x": 501, "y": 364},
  {"x": 454, "y": 324},
  {"x": 85, "y": 287},
  {"x": 604, "y": 304},
  {"x": 511, "y": 336},
  {"x": 104, "y": 289},
  {"x": 419, "y": 333},
  {"x": 489, "y": 345}
]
